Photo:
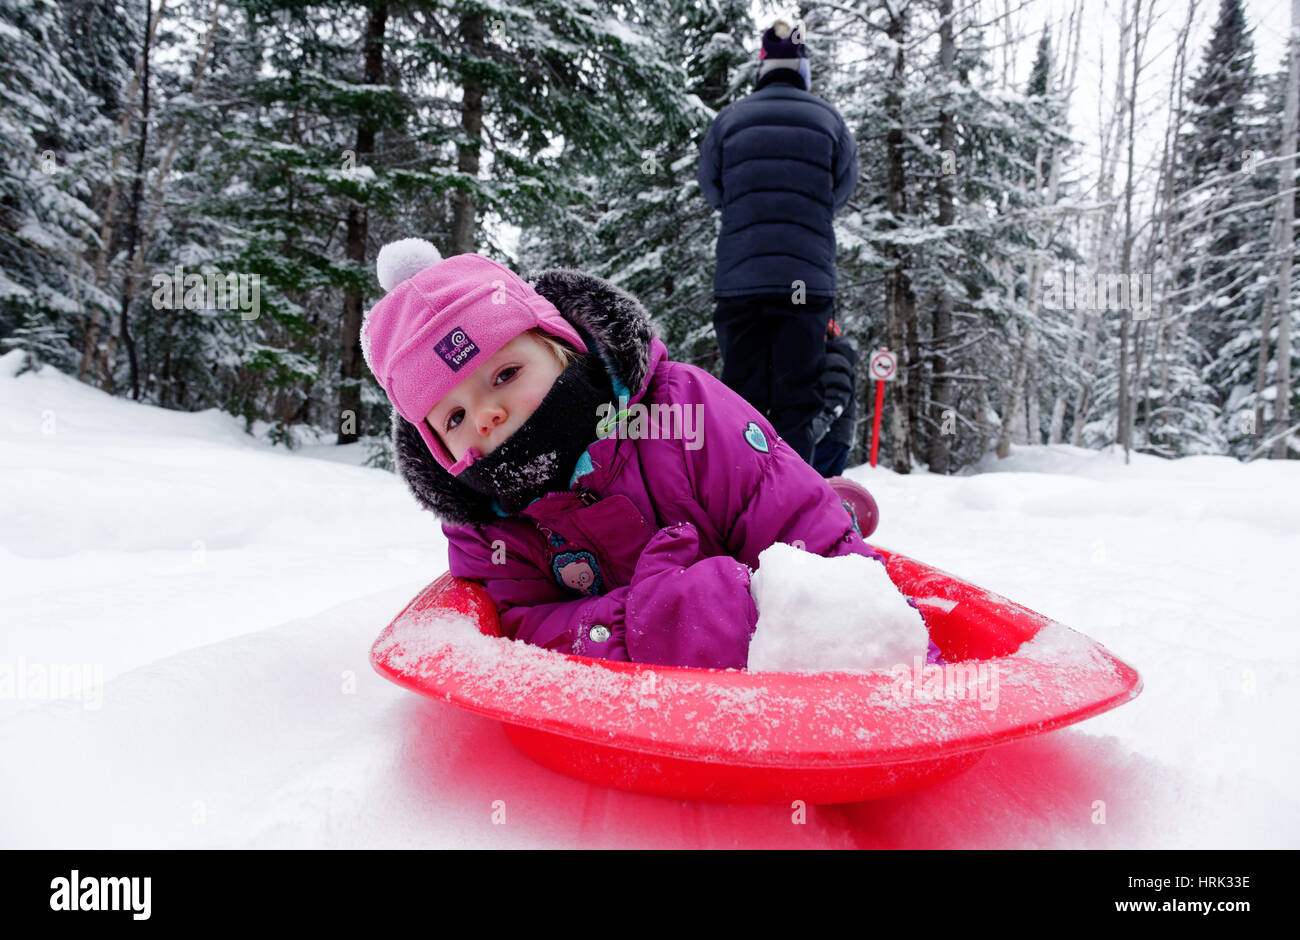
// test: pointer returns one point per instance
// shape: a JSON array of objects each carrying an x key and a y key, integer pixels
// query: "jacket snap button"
[{"x": 599, "y": 633}]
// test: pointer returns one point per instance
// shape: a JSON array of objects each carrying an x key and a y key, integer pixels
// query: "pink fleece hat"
[{"x": 441, "y": 320}]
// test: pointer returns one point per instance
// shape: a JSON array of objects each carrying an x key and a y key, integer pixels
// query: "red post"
[{"x": 875, "y": 421}]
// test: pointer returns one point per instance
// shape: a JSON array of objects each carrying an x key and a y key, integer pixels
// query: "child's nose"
[{"x": 489, "y": 417}]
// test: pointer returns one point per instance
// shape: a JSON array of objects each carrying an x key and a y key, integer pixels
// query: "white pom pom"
[
  {"x": 781, "y": 28},
  {"x": 403, "y": 259}
]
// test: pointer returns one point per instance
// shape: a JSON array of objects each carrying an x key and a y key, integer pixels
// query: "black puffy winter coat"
[{"x": 779, "y": 163}]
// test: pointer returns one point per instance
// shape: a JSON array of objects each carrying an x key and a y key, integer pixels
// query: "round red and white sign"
[{"x": 882, "y": 365}]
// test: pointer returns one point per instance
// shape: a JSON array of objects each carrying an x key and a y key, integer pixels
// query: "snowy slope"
[{"x": 229, "y": 591}]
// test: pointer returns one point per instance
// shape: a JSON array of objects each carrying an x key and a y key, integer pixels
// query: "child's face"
[{"x": 497, "y": 398}]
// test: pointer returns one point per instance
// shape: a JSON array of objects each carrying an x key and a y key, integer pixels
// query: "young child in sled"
[{"x": 519, "y": 419}]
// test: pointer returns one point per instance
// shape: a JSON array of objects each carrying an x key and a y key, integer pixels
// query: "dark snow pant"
[
  {"x": 830, "y": 457},
  {"x": 773, "y": 356}
]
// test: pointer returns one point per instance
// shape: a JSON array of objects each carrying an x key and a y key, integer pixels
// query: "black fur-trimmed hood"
[{"x": 611, "y": 322}]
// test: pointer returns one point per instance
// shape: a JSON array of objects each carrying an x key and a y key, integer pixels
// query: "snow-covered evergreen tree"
[
  {"x": 50, "y": 124},
  {"x": 639, "y": 220},
  {"x": 1223, "y": 214}
]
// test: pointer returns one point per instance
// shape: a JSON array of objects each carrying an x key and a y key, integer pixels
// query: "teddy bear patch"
[{"x": 578, "y": 571}]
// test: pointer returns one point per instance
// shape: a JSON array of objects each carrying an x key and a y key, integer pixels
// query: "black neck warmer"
[{"x": 540, "y": 456}]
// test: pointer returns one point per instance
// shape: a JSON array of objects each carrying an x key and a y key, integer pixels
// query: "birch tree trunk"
[
  {"x": 1057, "y": 427},
  {"x": 1265, "y": 347},
  {"x": 1021, "y": 421},
  {"x": 1033, "y": 421},
  {"x": 941, "y": 390},
  {"x": 1125, "y": 416},
  {"x": 1057, "y": 430},
  {"x": 1171, "y": 243},
  {"x": 899, "y": 304},
  {"x": 1286, "y": 241},
  {"x": 1014, "y": 416},
  {"x": 1101, "y": 227}
]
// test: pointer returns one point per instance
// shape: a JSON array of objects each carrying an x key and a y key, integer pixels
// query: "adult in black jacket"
[{"x": 779, "y": 163}]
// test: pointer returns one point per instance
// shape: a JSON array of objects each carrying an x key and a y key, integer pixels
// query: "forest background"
[{"x": 1074, "y": 220}]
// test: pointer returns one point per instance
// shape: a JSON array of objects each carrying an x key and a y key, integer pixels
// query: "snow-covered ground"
[{"x": 219, "y": 597}]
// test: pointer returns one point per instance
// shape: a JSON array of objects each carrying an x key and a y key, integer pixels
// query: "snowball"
[
  {"x": 404, "y": 259},
  {"x": 839, "y": 614}
]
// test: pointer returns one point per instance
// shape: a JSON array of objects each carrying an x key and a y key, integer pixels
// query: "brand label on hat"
[{"x": 456, "y": 348}]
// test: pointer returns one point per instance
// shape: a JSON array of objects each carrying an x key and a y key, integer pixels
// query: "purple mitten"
[
  {"x": 932, "y": 656},
  {"x": 684, "y": 610}
]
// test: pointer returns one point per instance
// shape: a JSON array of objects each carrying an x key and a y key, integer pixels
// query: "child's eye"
[{"x": 454, "y": 418}]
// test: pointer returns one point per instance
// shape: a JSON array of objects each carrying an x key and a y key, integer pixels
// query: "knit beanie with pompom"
[
  {"x": 442, "y": 319},
  {"x": 783, "y": 49}
]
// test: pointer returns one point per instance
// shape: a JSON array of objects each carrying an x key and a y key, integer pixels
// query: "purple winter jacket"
[{"x": 647, "y": 557}]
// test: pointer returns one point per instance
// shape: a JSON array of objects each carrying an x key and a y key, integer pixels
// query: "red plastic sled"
[
  {"x": 859, "y": 503},
  {"x": 730, "y": 735}
]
